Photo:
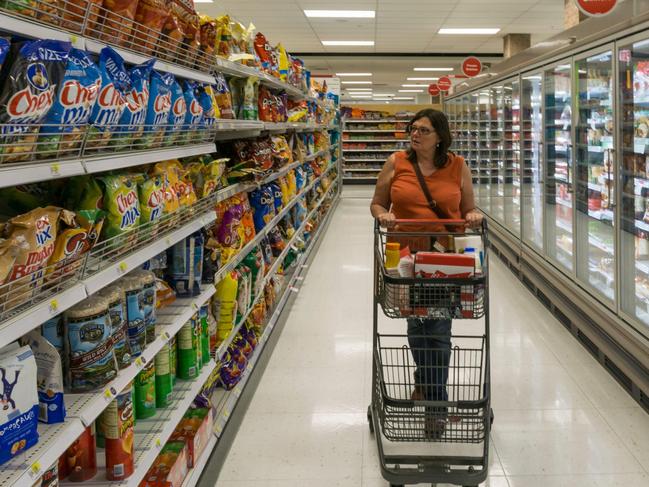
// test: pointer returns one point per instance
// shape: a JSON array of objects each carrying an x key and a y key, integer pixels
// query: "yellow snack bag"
[
  {"x": 286, "y": 196},
  {"x": 170, "y": 180},
  {"x": 283, "y": 62},
  {"x": 292, "y": 184}
]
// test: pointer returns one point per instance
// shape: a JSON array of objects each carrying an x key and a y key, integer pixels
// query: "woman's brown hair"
[{"x": 440, "y": 123}]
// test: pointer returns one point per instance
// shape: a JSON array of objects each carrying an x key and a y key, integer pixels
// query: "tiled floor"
[{"x": 561, "y": 420}]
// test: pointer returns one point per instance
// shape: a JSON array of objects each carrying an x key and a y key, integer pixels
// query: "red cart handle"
[{"x": 430, "y": 221}]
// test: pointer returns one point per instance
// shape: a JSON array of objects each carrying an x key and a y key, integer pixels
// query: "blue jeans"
[{"x": 430, "y": 345}]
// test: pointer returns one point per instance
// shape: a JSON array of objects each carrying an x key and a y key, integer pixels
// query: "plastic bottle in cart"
[
  {"x": 392, "y": 256},
  {"x": 476, "y": 256}
]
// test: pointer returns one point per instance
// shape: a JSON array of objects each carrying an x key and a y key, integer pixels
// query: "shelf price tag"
[
  {"x": 123, "y": 267},
  {"x": 158, "y": 443},
  {"x": 218, "y": 429},
  {"x": 165, "y": 336},
  {"x": 55, "y": 169},
  {"x": 226, "y": 413},
  {"x": 108, "y": 394},
  {"x": 35, "y": 469},
  {"x": 139, "y": 362},
  {"x": 54, "y": 306}
]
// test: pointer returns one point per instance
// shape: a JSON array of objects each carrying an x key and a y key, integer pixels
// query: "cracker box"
[
  {"x": 436, "y": 265},
  {"x": 194, "y": 429},
  {"x": 170, "y": 468}
]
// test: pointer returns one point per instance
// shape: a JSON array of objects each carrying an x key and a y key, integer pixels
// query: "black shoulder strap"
[{"x": 432, "y": 204}]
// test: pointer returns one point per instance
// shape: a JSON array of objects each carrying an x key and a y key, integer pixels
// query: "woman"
[{"x": 399, "y": 194}]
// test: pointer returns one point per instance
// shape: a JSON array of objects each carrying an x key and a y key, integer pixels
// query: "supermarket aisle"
[{"x": 561, "y": 421}]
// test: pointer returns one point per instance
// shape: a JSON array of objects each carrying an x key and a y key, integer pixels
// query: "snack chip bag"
[
  {"x": 282, "y": 154},
  {"x": 283, "y": 63},
  {"x": 28, "y": 93},
  {"x": 177, "y": 112},
  {"x": 150, "y": 14},
  {"x": 247, "y": 227},
  {"x": 111, "y": 101},
  {"x": 137, "y": 100},
  {"x": 248, "y": 93},
  {"x": 277, "y": 196},
  {"x": 170, "y": 179},
  {"x": 121, "y": 204},
  {"x": 300, "y": 179},
  {"x": 262, "y": 152},
  {"x": 224, "y": 40},
  {"x": 292, "y": 184},
  {"x": 194, "y": 113},
  {"x": 72, "y": 107},
  {"x": 223, "y": 97},
  {"x": 208, "y": 36},
  {"x": 151, "y": 194},
  {"x": 286, "y": 196},
  {"x": 5, "y": 45},
  {"x": 157, "y": 112},
  {"x": 173, "y": 36},
  {"x": 205, "y": 96},
  {"x": 262, "y": 201},
  {"x": 266, "y": 104},
  {"x": 263, "y": 50},
  {"x": 226, "y": 232},
  {"x": 118, "y": 20}
]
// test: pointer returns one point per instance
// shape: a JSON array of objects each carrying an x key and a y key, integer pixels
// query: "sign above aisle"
[
  {"x": 471, "y": 66},
  {"x": 444, "y": 83},
  {"x": 433, "y": 89},
  {"x": 596, "y": 8}
]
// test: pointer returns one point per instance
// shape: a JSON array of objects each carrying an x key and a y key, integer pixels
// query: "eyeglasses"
[{"x": 422, "y": 130}]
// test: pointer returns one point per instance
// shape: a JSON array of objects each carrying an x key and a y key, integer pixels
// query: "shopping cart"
[{"x": 447, "y": 409}]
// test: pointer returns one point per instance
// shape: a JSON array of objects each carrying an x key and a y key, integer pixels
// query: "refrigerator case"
[
  {"x": 532, "y": 185},
  {"x": 511, "y": 156},
  {"x": 595, "y": 174}
]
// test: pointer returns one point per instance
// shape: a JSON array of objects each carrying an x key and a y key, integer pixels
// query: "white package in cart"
[{"x": 18, "y": 402}]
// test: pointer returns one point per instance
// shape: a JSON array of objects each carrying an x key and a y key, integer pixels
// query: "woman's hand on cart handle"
[
  {"x": 387, "y": 220},
  {"x": 473, "y": 219}
]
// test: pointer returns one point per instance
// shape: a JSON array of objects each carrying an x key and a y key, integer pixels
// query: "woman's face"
[{"x": 423, "y": 137}]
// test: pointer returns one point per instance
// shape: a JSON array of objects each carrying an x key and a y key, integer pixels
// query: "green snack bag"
[
  {"x": 145, "y": 393},
  {"x": 84, "y": 193},
  {"x": 189, "y": 349},
  {"x": 205, "y": 333},
  {"x": 121, "y": 204},
  {"x": 151, "y": 193},
  {"x": 173, "y": 358},
  {"x": 163, "y": 380}
]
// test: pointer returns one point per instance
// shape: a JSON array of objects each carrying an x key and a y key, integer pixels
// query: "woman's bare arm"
[{"x": 380, "y": 206}]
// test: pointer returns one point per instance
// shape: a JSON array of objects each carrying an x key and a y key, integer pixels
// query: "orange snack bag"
[
  {"x": 152, "y": 15},
  {"x": 118, "y": 20}
]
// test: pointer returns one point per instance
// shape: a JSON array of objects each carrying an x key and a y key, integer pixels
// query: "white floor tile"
[{"x": 561, "y": 420}]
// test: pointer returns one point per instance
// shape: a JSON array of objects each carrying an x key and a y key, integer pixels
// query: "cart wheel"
[
  {"x": 369, "y": 419},
  {"x": 491, "y": 417}
]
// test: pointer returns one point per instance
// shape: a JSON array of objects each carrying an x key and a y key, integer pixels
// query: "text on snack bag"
[
  {"x": 127, "y": 205},
  {"x": 77, "y": 100}
]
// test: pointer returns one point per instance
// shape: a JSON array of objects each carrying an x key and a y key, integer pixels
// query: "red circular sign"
[
  {"x": 596, "y": 7},
  {"x": 444, "y": 83},
  {"x": 433, "y": 89},
  {"x": 471, "y": 66}
]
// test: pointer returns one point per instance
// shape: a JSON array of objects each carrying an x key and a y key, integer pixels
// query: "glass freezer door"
[
  {"x": 511, "y": 152},
  {"x": 595, "y": 174},
  {"x": 481, "y": 113},
  {"x": 495, "y": 144},
  {"x": 633, "y": 62},
  {"x": 559, "y": 183},
  {"x": 532, "y": 170}
]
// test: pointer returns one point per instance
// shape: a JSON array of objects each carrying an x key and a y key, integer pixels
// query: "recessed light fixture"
[
  {"x": 341, "y": 14},
  {"x": 413, "y": 86},
  {"x": 471, "y": 31},
  {"x": 356, "y": 82},
  {"x": 422, "y": 79},
  {"x": 433, "y": 69},
  {"x": 353, "y": 74},
  {"x": 411, "y": 91},
  {"x": 348, "y": 43}
]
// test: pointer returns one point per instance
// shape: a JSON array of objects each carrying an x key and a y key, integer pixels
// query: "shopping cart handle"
[{"x": 429, "y": 221}]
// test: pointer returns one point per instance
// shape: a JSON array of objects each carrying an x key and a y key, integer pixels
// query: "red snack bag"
[
  {"x": 172, "y": 36},
  {"x": 262, "y": 48},
  {"x": 262, "y": 153},
  {"x": 118, "y": 17},
  {"x": 190, "y": 24},
  {"x": 266, "y": 102},
  {"x": 151, "y": 14},
  {"x": 74, "y": 13}
]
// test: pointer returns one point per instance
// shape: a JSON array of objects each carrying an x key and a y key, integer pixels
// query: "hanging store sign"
[
  {"x": 444, "y": 83},
  {"x": 596, "y": 8},
  {"x": 471, "y": 66},
  {"x": 433, "y": 89}
]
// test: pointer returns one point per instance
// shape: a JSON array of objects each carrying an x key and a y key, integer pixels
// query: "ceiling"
[{"x": 400, "y": 27}]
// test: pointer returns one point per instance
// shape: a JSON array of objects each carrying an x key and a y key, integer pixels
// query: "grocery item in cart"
[
  {"x": 163, "y": 379},
  {"x": 79, "y": 462},
  {"x": 157, "y": 113},
  {"x": 148, "y": 303},
  {"x": 169, "y": 468},
  {"x": 135, "y": 314},
  {"x": 19, "y": 413},
  {"x": 66, "y": 120},
  {"x": 121, "y": 204},
  {"x": 28, "y": 92},
  {"x": 116, "y": 298},
  {"x": 49, "y": 379},
  {"x": 150, "y": 17},
  {"x": 189, "y": 349},
  {"x": 131, "y": 123},
  {"x": 177, "y": 112},
  {"x": 117, "y": 424},
  {"x": 117, "y": 21},
  {"x": 111, "y": 101},
  {"x": 89, "y": 346},
  {"x": 144, "y": 392},
  {"x": 439, "y": 265}
]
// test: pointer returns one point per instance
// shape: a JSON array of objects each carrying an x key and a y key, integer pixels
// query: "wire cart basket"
[{"x": 431, "y": 388}]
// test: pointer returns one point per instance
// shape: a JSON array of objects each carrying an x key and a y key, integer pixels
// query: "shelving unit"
[
  {"x": 360, "y": 139},
  {"x": 111, "y": 259}
]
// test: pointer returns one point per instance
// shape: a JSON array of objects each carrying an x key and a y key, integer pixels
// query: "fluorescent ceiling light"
[
  {"x": 479, "y": 31},
  {"x": 413, "y": 86},
  {"x": 347, "y": 43},
  {"x": 358, "y": 89},
  {"x": 411, "y": 91},
  {"x": 433, "y": 69},
  {"x": 356, "y": 82},
  {"x": 383, "y": 94},
  {"x": 422, "y": 79},
  {"x": 361, "y": 96},
  {"x": 203, "y": 1},
  {"x": 353, "y": 74},
  {"x": 341, "y": 14},
  {"x": 403, "y": 98}
]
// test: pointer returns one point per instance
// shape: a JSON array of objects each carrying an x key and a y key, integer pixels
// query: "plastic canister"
[
  {"x": 189, "y": 352},
  {"x": 145, "y": 397},
  {"x": 119, "y": 334},
  {"x": 134, "y": 291},
  {"x": 173, "y": 358},
  {"x": 163, "y": 379},
  {"x": 205, "y": 333},
  {"x": 392, "y": 255},
  {"x": 149, "y": 301},
  {"x": 117, "y": 423}
]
